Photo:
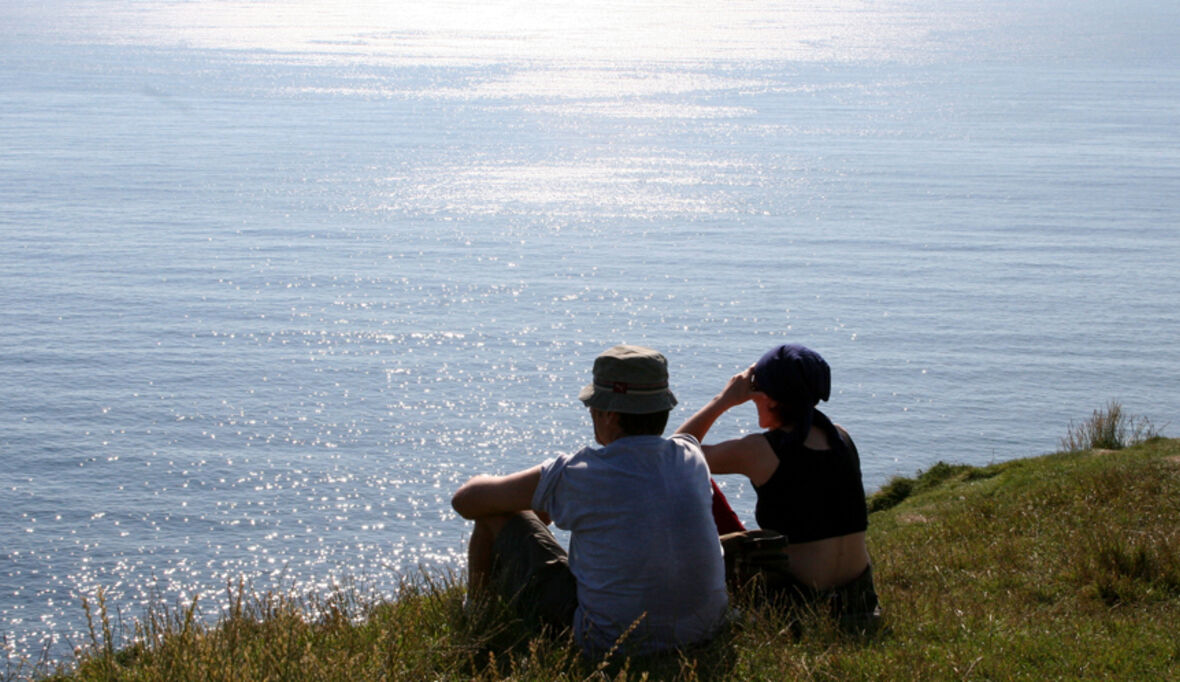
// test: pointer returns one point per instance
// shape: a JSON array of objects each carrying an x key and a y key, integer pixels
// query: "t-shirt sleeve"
[
  {"x": 543, "y": 496},
  {"x": 552, "y": 493},
  {"x": 690, "y": 443}
]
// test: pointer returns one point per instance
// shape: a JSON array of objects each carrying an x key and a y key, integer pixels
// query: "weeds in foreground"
[
  {"x": 1108, "y": 428},
  {"x": 277, "y": 636}
]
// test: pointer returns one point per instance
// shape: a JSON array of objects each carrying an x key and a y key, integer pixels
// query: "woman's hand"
[{"x": 739, "y": 389}]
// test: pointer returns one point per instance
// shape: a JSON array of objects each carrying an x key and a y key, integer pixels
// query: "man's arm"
[{"x": 494, "y": 495}]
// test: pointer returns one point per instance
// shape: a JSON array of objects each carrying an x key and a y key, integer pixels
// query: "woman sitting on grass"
[{"x": 806, "y": 472}]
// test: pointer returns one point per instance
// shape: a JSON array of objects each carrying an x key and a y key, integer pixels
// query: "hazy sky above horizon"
[{"x": 616, "y": 32}]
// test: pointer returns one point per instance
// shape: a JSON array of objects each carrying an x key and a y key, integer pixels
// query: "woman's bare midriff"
[{"x": 830, "y": 562}]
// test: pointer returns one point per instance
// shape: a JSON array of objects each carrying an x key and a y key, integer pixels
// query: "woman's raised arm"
[{"x": 737, "y": 391}]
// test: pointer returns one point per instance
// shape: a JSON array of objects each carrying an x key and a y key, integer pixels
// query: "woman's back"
[
  {"x": 815, "y": 490},
  {"x": 825, "y": 561}
]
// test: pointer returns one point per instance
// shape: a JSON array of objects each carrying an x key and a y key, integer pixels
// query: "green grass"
[{"x": 1065, "y": 566}]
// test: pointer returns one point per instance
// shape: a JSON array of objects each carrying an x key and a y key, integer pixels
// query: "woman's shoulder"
[
  {"x": 751, "y": 442},
  {"x": 845, "y": 437},
  {"x": 750, "y": 455}
]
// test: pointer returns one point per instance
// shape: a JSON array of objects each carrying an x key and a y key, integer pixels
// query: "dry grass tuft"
[{"x": 1108, "y": 429}]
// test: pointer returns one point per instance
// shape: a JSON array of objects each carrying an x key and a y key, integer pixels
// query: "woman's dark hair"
[{"x": 650, "y": 424}]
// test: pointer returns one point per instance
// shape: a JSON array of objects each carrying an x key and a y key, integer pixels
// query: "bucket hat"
[{"x": 630, "y": 379}]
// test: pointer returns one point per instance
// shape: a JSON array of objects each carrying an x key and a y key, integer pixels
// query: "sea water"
[{"x": 276, "y": 277}]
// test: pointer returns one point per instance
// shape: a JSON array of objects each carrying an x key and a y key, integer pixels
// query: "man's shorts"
[{"x": 531, "y": 571}]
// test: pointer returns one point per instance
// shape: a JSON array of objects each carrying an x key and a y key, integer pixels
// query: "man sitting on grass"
[{"x": 644, "y": 563}]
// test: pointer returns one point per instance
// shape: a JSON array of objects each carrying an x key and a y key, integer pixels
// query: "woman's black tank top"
[{"x": 813, "y": 494}]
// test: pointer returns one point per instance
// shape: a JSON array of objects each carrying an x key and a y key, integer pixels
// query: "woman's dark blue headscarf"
[{"x": 797, "y": 378}]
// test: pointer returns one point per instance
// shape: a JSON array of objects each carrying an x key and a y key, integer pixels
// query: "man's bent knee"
[{"x": 531, "y": 571}]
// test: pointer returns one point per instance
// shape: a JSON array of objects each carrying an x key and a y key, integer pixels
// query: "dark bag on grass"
[
  {"x": 757, "y": 559},
  {"x": 756, "y": 562}
]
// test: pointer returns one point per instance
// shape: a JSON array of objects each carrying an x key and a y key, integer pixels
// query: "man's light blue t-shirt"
[{"x": 643, "y": 543}]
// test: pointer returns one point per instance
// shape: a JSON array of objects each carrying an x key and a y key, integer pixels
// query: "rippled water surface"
[{"x": 278, "y": 276}]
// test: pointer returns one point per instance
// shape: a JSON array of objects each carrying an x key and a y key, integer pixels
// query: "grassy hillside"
[{"x": 1065, "y": 566}]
